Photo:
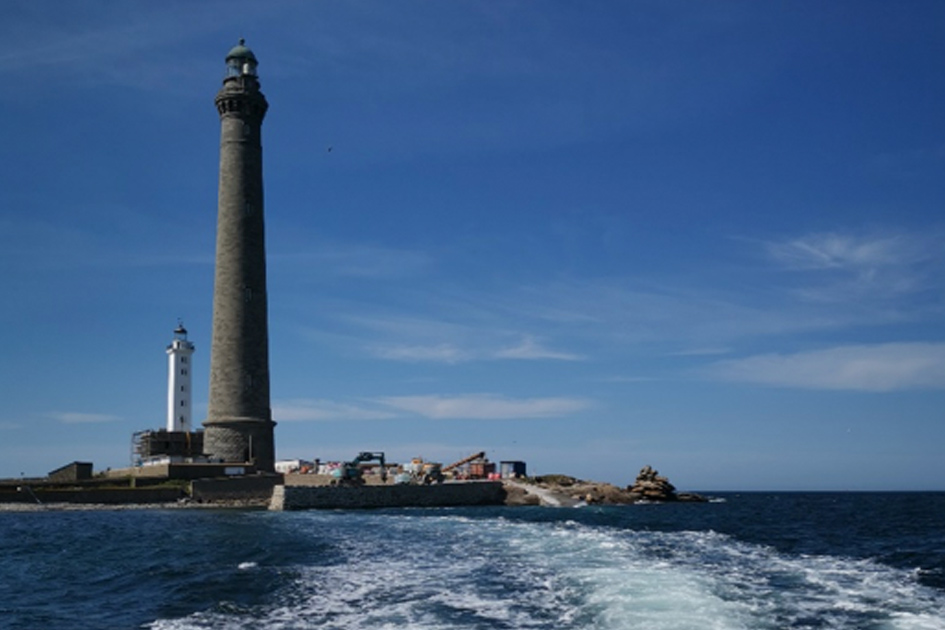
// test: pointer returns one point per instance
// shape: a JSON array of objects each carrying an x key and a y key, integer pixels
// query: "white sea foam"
[{"x": 429, "y": 573}]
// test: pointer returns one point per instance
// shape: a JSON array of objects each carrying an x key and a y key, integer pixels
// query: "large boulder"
[
  {"x": 516, "y": 494},
  {"x": 651, "y": 486}
]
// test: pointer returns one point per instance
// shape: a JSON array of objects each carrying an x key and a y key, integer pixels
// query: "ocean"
[{"x": 745, "y": 560}]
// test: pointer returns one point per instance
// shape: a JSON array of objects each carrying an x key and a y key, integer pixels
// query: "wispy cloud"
[
  {"x": 414, "y": 339},
  {"x": 608, "y": 311},
  {"x": 99, "y": 43},
  {"x": 49, "y": 243},
  {"x": 700, "y": 352},
  {"x": 877, "y": 368},
  {"x": 417, "y": 339},
  {"x": 47, "y": 46},
  {"x": 814, "y": 283},
  {"x": 317, "y": 409},
  {"x": 436, "y": 407},
  {"x": 407, "y": 326},
  {"x": 105, "y": 49},
  {"x": 847, "y": 251},
  {"x": 486, "y": 406},
  {"x": 818, "y": 282},
  {"x": 865, "y": 266},
  {"x": 571, "y": 321},
  {"x": 439, "y": 353},
  {"x": 529, "y": 348},
  {"x": 356, "y": 261},
  {"x": 627, "y": 379},
  {"x": 74, "y": 417}
]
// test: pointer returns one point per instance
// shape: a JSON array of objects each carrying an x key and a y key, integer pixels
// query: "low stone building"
[{"x": 71, "y": 473}]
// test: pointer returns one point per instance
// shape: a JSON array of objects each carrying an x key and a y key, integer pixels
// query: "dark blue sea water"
[{"x": 750, "y": 561}]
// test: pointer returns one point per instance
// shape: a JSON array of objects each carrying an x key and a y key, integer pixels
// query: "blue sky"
[{"x": 702, "y": 236}]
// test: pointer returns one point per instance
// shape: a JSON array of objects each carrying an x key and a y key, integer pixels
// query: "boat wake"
[{"x": 445, "y": 572}]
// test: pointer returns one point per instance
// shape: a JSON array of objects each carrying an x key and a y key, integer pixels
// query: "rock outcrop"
[
  {"x": 651, "y": 486},
  {"x": 566, "y": 491}
]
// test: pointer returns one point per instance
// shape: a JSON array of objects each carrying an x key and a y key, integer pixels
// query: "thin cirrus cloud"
[
  {"x": 485, "y": 406},
  {"x": 527, "y": 350},
  {"x": 530, "y": 349},
  {"x": 849, "y": 251},
  {"x": 418, "y": 339},
  {"x": 874, "y": 267},
  {"x": 700, "y": 352},
  {"x": 74, "y": 417},
  {"x": 435, "y": 407},
  {"x": 317, "y": 409},
  {"x": 818, "y": 281},
  {"x": 438, "y": 353},
  {"x": 609, "y": 314},
  {"x": 871, "y": 368},
  {"x": 356, "y": 261},
  {"x": 833, "y": 280}
]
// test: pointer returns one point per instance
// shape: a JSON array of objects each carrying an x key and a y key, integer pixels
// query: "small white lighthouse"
[{"x": 179, "y": 353}]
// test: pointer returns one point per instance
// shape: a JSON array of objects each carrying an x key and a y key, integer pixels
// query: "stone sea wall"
[
  {"x": 257, "y": 488},
  {"x": 360, "y": 497},
  {"x": 101, "y": 496}
]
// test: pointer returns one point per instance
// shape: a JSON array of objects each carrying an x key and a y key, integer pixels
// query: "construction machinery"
[
  {"x": 430, "y": 473},
  {"x": 465, "y": 460},
  {"x": 419, "y": 472},
  {"x": 350, "y": 473}
]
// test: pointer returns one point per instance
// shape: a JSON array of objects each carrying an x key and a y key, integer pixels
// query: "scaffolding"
[{"x": 171, "y": 446}]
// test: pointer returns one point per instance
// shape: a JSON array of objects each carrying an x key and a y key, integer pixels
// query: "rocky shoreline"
[
  {"x": 544, "y": 490},
  {"x": 171, "y": 505},
  {"x": 566, "y": 491}
]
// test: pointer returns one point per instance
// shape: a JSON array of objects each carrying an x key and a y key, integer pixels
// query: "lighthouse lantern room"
[{"x": 179, "y": 353}]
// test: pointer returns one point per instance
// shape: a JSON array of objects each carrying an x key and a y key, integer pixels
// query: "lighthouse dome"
[
  {"x": 240, "y": 61},
  {"x": 240, "y": 51}
]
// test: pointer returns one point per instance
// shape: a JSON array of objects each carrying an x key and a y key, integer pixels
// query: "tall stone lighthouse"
[{"x": 239, "y": 426}]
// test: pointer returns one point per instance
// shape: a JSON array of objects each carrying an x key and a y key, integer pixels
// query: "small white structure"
[{"x": 179, "y": 353}]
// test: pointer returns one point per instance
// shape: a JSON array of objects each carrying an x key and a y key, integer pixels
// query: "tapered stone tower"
[{"x": 239, "y": 426}]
